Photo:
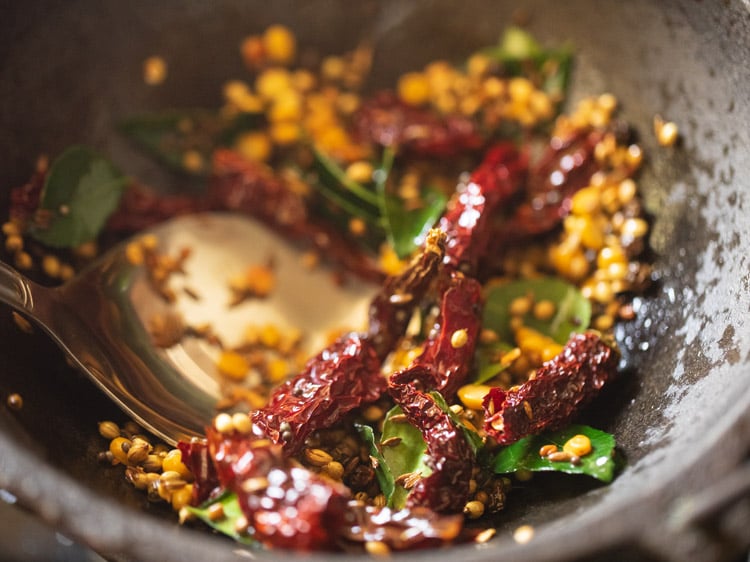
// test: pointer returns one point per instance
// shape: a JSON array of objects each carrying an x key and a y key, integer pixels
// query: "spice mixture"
[{"x": 508, "y": 238}]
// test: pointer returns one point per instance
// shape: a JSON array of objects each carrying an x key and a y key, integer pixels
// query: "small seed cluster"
[
  {"x": 573, "y": 450},
  {"x": 477, "y": 91},
  {"x": 315, "y": 99},
  {"x": 599, "y": 250},
  {"x": 159, "y": 267},
  {"x": 266, "y": 358},
  {"x": 341, "y": 456},
  {"x": 153, "y": 468}
]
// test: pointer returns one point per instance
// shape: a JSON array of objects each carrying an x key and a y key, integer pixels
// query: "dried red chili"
[
  {"x": 450, "y": 457},
  {"x": 342, "y": 377},
  {"x": 390, "y": 310},
  {"x": 406, "y": 529},
  {"x": 386, "y": 121},
  {"x": 561, "y": 387},
  {"x": 24, "y": 200},
  {"x": 566, "y": 166},
  {"x": 467, "y": 220},
  {"x": 459, "y": 311},
  {"x": 196, "y": 457},
  {"x": 286, "y": 506},
  {"x": 141, "y": 207}
]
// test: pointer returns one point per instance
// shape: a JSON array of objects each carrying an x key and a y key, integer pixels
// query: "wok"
[{"x": 681, "y": 414}]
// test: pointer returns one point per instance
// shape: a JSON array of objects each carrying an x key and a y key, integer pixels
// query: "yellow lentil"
[
  {"x": 23, "y": 260},
  {"x": 173, "y": 462},
  {"x": 520, "y": 306},
  {"x": 413, "y": 88},
  {"x": 279, "y": 44},
  {"x": 272, "y": 82},
  {"x": 192, "y": 161},
  {"x": 154, "y": 70},
  {"x": 51, "y": 265},
  {"x": 357, "y": 226},
  {"x": 284, "y": 133},
  {"x": 544, "y": 309},
  {"x": 578, "y": 445},
  {"x": 377, "y": 548},
  {"x": 471, "y": 395},
  {"x": 233, "y": 365},
  {"x": 360, "y": 171},
  {"x": 666, "y": 131},
  {"x": 277, "y": 369},
  {"x": 182, "y": 497},
  {"x": 254, "y": 145}
]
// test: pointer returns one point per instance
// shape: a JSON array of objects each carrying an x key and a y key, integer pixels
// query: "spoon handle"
[{"x": 15, "y": 290}]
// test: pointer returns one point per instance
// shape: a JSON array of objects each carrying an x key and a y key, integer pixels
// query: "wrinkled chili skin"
[
  {"x": 386, "y": 121},
  {"x": 291, "y": 507},
  {"x": 24, "y": 199},
  {"x": 405, "y": 529},
  {"x": 561, "y": 387},
  {"x": 141, "y": 207},
  {"x": 391, "y": 308},
  {"x": 566, "y": 166},
  {"x": 285, "y": 505},
  {"x": 460, "y": 309},
  {"x": 196, "y": 457},
  {"x": 449, "y": 455},
  {"x": 341, "y": 378},
  {"x": 252, "y": 188},
  {"x": 468, "y": 218}
]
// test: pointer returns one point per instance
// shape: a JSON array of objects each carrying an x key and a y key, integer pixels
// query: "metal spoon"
[{"x": 100, "y": 318}]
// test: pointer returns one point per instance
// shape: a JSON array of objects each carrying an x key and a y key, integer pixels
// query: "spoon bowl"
[{"x": 100, "y": 318}]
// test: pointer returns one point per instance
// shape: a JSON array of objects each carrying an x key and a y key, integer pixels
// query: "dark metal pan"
[{"x": 69, "y": 70}]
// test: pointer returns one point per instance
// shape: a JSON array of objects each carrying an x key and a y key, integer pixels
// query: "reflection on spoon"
[{"x": 100, "y": 318}]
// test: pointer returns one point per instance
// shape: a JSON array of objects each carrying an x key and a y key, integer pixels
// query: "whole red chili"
[
  {"x": 560, "y": 388},
  {"x": 196, "y": 457},
  {"x": 386, "y": 121},
  {"x": 468, "y": 219},
  {"x": 342, "y": 377},
  {"x": 391, "y": 309},
  {"x": 449, "y": 351},
  {"x": 141, "y": 207},
  {"x": 449, "y": 455},
  {"x": 286, "y": 506},
  {"x": 566, "y": 166},
  {"x": 405, "y": 529},
  {"x": 24, "y": 200}
]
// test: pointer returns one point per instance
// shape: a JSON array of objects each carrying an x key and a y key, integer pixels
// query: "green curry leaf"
[
  {"x": 524, "y": 454},
  {"x": 227, "y": 524},
  {"x": 522, "y": 55},
  {"x": 406, "y": 457},
  {"x": 353, "y": 197},
  {"x": 81, "y": 191},
  {"x": 472, "y": 437},
  {"x": 572, "y": 309},
  {"x": 382, "y": 470},
  {"x": 405, "y": 227},
  {"x": 488, "y": 365}
]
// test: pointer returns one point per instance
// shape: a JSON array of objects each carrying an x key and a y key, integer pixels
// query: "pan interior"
[{"x": 69, "y": 70}]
